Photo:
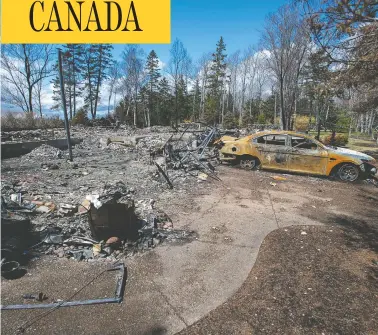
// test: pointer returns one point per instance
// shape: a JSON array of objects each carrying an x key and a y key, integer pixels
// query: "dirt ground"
[
  {"x": 303, "y": 284},
  {"x": 323, "y": 281}
]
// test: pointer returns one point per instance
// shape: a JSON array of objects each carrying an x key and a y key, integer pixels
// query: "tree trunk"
[
  {"x": 70, "y": 104},
  {"x": 194, "y": 105},
  {"x": 90, "y": 89},
  {"x": 28, "y": 78},
  {"x": 135, "y": 115},
  {"x": 148, "y": 117},
  {"x": 371, "y": 122},
  {"x": 110, "y": 97},
  {"x": 223, "y": 94},
  {"x": 74, "y": 82},
  {"x": 98, "y": 83},
  {"x": 136, "y": 106},
  {"x": 40, "y": 104},
  {"x": 176, "y": 107},
  {"x": 282, "y": 111}
]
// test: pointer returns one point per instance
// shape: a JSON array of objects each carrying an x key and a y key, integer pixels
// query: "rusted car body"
[{"x": 296, "y": 152}]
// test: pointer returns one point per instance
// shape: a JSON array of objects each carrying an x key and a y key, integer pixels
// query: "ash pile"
[{"x": 104, "y": 226}]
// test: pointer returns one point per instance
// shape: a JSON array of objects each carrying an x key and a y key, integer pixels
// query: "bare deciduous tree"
[
  {"x": 245, "y": 68},
  {"x": 233, "y": 65},
  {"x": 203, "y": 72},
  {"x": 132, "y": 66},
  {"x": 178, "y": 68},
  {"x": 24, "y": 67},
  {"x": 286, "y": 38},
  {"x": 114, "y": 76}
]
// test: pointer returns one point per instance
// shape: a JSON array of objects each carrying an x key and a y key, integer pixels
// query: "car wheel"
[
  {"x": 248, "y": 163},
  {"x": 348, "y": 172}
]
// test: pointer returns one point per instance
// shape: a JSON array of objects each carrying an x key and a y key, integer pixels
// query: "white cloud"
[
  {"x": 47, "y": 96},
  {"x": 161, "y": 64}
]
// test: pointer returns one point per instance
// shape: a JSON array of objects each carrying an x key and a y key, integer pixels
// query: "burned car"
[{"x": 295, "y": 152}]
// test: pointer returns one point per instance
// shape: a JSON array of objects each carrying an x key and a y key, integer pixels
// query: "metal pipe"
[
  {"x": 62, "y": 304},
  {"x": 120, "y": 287}
]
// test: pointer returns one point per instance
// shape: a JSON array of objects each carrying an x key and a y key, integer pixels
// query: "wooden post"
[{"x": 66, "y": 124}]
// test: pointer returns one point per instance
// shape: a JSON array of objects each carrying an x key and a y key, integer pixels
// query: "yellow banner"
[{"x": 84, "y": 21}]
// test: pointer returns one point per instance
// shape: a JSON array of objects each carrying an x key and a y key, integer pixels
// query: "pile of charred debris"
[{"x": 102, "y": 205}]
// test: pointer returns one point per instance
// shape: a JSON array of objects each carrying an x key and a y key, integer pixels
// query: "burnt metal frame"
[{"x": 119, "y": 292}]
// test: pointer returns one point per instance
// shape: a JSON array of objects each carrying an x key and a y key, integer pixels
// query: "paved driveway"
[{"x": 175, "y": 285}]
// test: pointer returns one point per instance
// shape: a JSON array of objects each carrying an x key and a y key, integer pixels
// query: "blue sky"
[{"x": 200, "y": 23}]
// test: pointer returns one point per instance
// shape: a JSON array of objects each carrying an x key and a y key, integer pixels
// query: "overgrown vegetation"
[
  {"x": 81, "y": 117},
  {"x": 338, "y": 140},
  {"x": 27, "y": 121}
]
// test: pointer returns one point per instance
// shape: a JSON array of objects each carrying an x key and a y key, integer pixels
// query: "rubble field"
[
  {"x": 189, "y": 244},
  {"x": 119, "y": 178}
]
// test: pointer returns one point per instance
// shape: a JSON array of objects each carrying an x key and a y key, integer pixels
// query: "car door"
[
  {"x": 307, "y": 156},
  {"x": 273, "y": 151}
]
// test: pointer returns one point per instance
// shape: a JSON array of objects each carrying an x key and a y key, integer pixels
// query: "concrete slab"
[{"x": 16, "y": 149}]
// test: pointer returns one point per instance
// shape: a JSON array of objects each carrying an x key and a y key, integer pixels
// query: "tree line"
[{"x": 314, "y": 59}]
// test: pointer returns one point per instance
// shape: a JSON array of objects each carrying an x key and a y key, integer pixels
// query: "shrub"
[
  {"x": 230, "y": 121},
  {"x": 55, "y": 122},
  {"x": 261, "y": 119},
  {"x": 48, "y": 123},
  {"x": 81, "y": 117},
  {"x": 27, "y": 121},
  {"x": 8, "y": 121},
  {"x": 301, "y": 123},
  {"x": 340, "y": 140},
  {"x": 247, "y": 120}
]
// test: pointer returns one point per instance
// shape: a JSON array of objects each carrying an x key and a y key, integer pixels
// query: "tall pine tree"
[
  {"x": 165, "y": 106},
  {"x": 195, "y": 101},
  {"x": 216, "y": 79},
  {"x": 72, "y": 75},
  {"x": 153, "y": 75},
  {"x": 97, "y": 60}
]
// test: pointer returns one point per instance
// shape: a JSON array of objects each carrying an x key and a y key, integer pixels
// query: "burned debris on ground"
[{"x": 104, "y": 204}]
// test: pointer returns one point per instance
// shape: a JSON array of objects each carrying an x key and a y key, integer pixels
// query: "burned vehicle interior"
[{"x": 282, "y": 140}]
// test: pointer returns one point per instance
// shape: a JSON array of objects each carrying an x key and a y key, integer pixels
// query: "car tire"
[
  {"x": 248, "y": 163},
  {"x": 348, "y": 172}
]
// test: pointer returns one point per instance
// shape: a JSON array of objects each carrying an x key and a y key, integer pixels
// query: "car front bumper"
[{"x": 370, "y": 169}]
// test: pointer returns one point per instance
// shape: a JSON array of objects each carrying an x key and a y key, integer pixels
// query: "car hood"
[
  {"x": 350, "y": 153},
  {"x": 227, "y": 138}
]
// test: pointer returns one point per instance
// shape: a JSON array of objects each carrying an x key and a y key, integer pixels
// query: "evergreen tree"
[
  {"x": 183, "y": 99},
  {"x": 216, "y": 79},
  {"x": 165, "y": 110},
  {"x": 143, "y": 118},
  {"x": 98, "y": 59},
  {"x": 72, "y": 71},
  {"x": 56, "y": 97},
  {"x": 74, "y": 54},
  {"x": 196, "y": 101},
  {"x": 153, "y": 75}
]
